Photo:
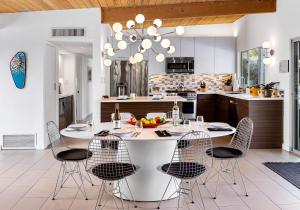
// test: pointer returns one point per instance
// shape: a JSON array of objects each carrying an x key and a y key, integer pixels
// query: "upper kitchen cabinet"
[
  {"x": 225, "y": 55},
  {"x": 155, "y": 67},
  {"x": 204, "y": 55},
  {"x": 175, "y": 41},
  {"x": 187, "y": 47}
]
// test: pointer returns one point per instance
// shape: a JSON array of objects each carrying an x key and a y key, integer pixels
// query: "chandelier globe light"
[
  {"x": 107, "y": 46},
  {"x": 130, "y": 24},
  {"x": 160, "y": 57},
  {"x": 119, "y": 36},
  {"x": 107, "y": 62},
  {"x": 140, "y": 18},
  {"x": 146, "y": 39},
  {"x": 171, "y": 49},
  {"x": 157, "y": 23},
  {"x": 165, "y": 43},
  {"x": 117, "y": 27},
  {"x": 122, "y": 45}
]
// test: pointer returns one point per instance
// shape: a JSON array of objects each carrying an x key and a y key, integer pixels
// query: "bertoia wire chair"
[
  {"x": 110, "y": 165},
  {"x": 236, "y": 149},
  {"x": 187, "y": 165},
  {"x": 69, "y": 158}
]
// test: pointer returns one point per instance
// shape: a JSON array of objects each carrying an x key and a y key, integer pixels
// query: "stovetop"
[
  {"x": 188, "y": 94},
  {"x": 180, "y": 91}
]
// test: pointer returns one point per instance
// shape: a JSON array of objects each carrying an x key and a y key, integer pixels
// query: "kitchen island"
[
  {"x": 139, "y": 106},
  {"x": 266, "y": 113}
]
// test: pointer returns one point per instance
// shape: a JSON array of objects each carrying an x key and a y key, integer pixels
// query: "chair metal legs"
[
  {"x": 65, "y": 172},
  {"x": 234, "y": 165},
  {"x": 115, "y": 190},
  {"x": 182, "y": 190}
]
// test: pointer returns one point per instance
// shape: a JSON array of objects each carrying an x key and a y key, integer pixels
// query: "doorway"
[
  {"x": 74, "y": 82},
  {"x": 295, "y": 48}
]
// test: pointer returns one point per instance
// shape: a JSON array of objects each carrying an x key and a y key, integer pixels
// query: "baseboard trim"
[{"x": 286, "y": 148}]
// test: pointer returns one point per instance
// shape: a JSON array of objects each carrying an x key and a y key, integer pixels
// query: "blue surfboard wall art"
[{"x": 18, "y": 69}]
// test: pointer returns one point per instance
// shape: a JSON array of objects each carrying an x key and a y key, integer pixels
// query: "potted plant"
[
  {"x": 268, "y": 89},
  {"x": 228, "y": 84},
  {"x": 255, "y": 90},
  {"x": 202, "y": 86}
]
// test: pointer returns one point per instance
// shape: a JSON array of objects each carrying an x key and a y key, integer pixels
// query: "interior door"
[
  {"x": 50, "y": 87},
  {"x": 296, "y": 65}
]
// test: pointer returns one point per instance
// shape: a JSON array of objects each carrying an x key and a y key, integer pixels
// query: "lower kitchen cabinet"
[
  {"x": 66, "y": 110},
  {"x": 206, "y": 106},
  {"x": 267, "y": 116}
]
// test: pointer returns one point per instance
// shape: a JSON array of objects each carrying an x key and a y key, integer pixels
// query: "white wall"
[
  {"x": 22, "y": 111},
  {"x": 278, "y": 28},
  {"x": 67, "y": 65}
]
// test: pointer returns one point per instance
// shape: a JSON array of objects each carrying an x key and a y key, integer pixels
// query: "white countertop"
[
  {"x": 143, "y": 99},
  {"x": 242, "y": 96}
]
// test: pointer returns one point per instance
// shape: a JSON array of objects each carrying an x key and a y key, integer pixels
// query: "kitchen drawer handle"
[{"x": 232, "y": 102}]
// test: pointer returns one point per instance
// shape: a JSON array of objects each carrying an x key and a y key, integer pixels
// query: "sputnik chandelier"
[{"x": 143, "y": 38}]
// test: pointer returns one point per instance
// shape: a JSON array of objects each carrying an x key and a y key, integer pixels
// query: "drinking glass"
[
  {"x": 200, "y": 121},
  {"x": 138, "y": 126},
  {"x": 187, "y": 124}
]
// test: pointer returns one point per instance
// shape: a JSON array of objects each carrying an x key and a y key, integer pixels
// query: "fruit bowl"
[{"x": 149, "y": 123}]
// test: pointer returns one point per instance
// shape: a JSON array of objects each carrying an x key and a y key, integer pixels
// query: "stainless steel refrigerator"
[{"x": 133, "y": 76}]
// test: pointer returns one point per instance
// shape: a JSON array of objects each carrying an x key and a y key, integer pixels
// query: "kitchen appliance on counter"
[
  {"x": 189, "y": 108},
  {"x": 121, "y": 89},
  {"x": 180, "y": 65}
]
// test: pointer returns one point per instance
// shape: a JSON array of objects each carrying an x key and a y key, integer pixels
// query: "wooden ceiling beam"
[{"x": 189, "y": 10}]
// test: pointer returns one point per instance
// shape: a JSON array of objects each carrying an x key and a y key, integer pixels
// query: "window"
[{"x": 252, "y": 69}]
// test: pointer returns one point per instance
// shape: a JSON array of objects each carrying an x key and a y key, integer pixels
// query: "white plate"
[
  {"x": 79, "y": 127},
  {"x": 179, "y": 130},
  {"x": 121, "y": 132},
  {"x": 219, "y": 124}
]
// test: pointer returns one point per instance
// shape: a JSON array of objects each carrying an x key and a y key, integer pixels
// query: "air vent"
[
  {"x": 27, "y": 141},
  {"x": 68, "y": 32}
]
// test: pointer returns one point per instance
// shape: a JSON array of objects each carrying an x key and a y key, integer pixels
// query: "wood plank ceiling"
[{"x": 173, "y": 12}]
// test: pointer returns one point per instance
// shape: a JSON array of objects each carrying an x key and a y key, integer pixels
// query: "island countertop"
[
  {"x": 242, "y": 96},
  {"x": 143, "y": 99}
]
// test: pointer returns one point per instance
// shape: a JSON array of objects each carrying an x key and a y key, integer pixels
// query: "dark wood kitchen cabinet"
[
  {"x": 66, "y": 109},
  {"x": 206, "y": 106},
  {"x": 267, "y": 116},
  {"x": 222, "y": 109}
]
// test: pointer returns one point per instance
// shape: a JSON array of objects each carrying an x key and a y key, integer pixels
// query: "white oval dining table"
[{"x": 148, "y": 151}]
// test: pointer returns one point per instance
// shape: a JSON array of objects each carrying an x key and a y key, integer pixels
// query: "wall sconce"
[{"x": 268, "y": 53}]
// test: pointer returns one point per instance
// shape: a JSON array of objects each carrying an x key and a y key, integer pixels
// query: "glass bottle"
[{"x": 117, "y": 117}]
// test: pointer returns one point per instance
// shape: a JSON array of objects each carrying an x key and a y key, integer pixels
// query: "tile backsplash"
[{"x": 165, "y": 82}]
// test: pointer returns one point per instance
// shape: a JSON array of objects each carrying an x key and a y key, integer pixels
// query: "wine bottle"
[
  {"x": 117, "y": 117},
  {"x": 175, "y": 113}
]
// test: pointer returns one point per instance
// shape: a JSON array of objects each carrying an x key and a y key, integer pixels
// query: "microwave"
[{"x": 180, "y": 65}]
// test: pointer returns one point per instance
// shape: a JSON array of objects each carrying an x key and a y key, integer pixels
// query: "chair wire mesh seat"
[
  {"x": 70, "y": 159},
  {"x": 187, "y": 165},
  {"x": 237, "y": 148},
  {"x": 110, "y": 164}
]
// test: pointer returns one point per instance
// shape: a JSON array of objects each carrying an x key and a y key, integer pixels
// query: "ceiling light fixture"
[{"x": 143, "y": 38}]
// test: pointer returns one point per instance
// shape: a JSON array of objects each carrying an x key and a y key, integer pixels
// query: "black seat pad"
[
  {"x": 74, "y": 155},
  {"x": 182, "y": 144},
  {"x": 113, "y": 171},
  {"x": 184, "y": 170},
  {"x": 224, "y": 152}
]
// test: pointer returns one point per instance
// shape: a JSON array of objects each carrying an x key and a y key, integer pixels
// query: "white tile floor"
[{"x": 27, "y": 179}]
